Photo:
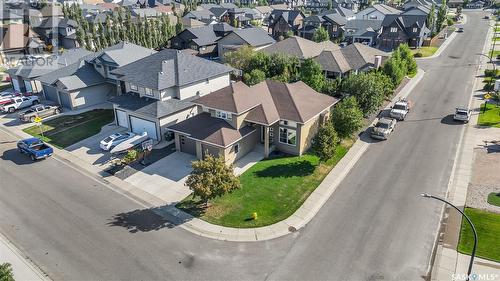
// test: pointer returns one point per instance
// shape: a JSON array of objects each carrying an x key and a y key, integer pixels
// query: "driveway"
[
  {"x": 88, "y": 149},
  {"x": 165, "y": 178}
]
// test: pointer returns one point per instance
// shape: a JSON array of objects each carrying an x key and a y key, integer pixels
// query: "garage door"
[
  {"x": 188, "y": 145},
  {"x": 15, "y": 85},
  {"x": 51, "y": 94},
  {"x": 139, "y": 126},
  {"x": 121, "y": 118}
]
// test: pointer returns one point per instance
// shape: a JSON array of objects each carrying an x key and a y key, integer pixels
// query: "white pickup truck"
[
  {"x": 400, "y": 109},
  {"x": 19, "y": 103}
]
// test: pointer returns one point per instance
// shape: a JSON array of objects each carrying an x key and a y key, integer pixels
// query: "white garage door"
[
  {"x": 139, "y": 126},
  {"x": 15, "y": 84},
  {"x": 121, "y": 118}
]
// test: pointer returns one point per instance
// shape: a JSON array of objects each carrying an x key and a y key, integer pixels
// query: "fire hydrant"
[{"x": 254, "y": 215}]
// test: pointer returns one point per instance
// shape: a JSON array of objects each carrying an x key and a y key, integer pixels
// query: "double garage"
[{"x": 136, "y": 124}]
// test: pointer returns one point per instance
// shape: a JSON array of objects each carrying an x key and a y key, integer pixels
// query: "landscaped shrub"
[
  {"x": 418, "y": 55},
  {"x": 491, "y": 73},
  {"x": 131, "y": 156},
  {"x": 488, "y": 87}
]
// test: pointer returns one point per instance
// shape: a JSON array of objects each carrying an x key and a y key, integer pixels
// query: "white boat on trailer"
[{"x": 130, "y": 143}]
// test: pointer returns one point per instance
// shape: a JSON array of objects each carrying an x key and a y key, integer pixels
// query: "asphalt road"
[{"x": 374, "y": 227}]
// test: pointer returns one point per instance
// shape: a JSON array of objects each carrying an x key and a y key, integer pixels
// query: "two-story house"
[
  {"x": 202, "y": 39},
  {"x": 281, "y": 22},
  {"x": 332, "y": 21},
  {"x": 89, "y": 81},
  {"x": 363, "y": 31},
  {"x": 377, "y": 12},
  {"x": 255, "y": 37},
  {"x": 156, "y": 91},
  {"x": 399, "y": 29},
  {"x": 58, "y": 32},
  {"x": 268, "y": 116}
]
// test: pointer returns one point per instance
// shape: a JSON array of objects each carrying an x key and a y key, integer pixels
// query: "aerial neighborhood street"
[{"x": 250, "y": 140}]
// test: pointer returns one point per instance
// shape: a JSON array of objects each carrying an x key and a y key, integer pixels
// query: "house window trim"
[
  {"x": 134, "y": 87},
  {"x": 150, "y": 94},
  {"x": 287, "y": 130},
  {"x": 236, "y": 148},
  {"x": 220, "y": 113},
  {"x": 394, "y": 29}
]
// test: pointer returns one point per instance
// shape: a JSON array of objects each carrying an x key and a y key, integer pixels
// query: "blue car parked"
[{"x": 35, "y": 148}]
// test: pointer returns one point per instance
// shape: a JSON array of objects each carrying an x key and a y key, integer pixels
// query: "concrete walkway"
[
  {"x": 449, "y": 264},
  {"x": 22, "y": 268}
]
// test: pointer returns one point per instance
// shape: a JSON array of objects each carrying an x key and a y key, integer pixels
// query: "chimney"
[{"x": 378, "y": 62}]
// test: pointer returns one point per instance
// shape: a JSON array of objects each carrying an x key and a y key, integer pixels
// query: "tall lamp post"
[{"x": 473, "y": 254}]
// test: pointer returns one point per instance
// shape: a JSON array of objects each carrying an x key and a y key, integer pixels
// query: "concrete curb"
[{"x": 22, "y": 267}]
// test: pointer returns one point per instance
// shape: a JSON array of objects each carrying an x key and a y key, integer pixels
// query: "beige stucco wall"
[
  {"x": 204, "y": 87},
  {"x": 247, "y": 144}
]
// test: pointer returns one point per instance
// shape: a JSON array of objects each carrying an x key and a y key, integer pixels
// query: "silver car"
[{"x": 383, "y": 128}]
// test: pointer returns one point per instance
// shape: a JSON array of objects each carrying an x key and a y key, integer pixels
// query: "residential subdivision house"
[
  {"x": 90, "y": 80},
  {"x": 400, "y": 29},
  {"x": 377, "y": 12},
  {"x": 58, "y": 32},
  {"x": 332, "y": 21},
  {"x": 255, "y": 37},
  {"x": 334, "y": 61},
  {"x": 157, "y": 90},
  {"x": 10, "y": 16},
  {"x": 363, "y": 31},
  {"x": 282, "y": 22},
  {"x": 270, "y": 116},
  {"x": 24, "y": 77},
  {"x": 17, "y": 41},
  {"x": 201, "y": 39}
]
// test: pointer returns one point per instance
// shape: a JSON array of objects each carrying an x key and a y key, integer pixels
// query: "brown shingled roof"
[
  {"x": 211, "y": 130},
  {"x": 236, "y": 98}
]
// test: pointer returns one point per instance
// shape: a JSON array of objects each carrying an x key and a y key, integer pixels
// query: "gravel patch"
[{"x": 485, "y": 179}]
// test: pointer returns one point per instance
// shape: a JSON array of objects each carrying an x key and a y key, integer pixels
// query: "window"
[
  {"x": 169, "y": 136},
  {"x": 133, "y": 87},
  {"x": 394, "y": 29},
  {"x": 288, "y": 136},
  {"x": 415, "y": 30},
  {"x": 236, "y": 148},
  {"x": 288, "y": 123},
  {"x": 148, "y": 92},
  {"x": 223, "y": 115}
]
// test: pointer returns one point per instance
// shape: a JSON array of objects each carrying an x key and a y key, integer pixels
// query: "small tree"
[
  {"x": 211, "y": 177},
  {"x": 326, "y": 141},
  {"x": 320, "y": 35},
  {"x": 240, "y": 58},
  {"x": 431, "y": 18},
  {"x": 254, "y": 77},
  {"x": 6, "y": 273},
  {"x": 312, "y": 74},
  {"x": 347, "y": 118},
  {"x": 369, "y": 89},
  {"x": 441, "y": 16},
  {"x": 407, "y": 56}
]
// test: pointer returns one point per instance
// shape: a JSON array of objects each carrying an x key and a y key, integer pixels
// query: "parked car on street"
[
  {"x": 6, "y": 97},
  {"x": 17, "y": 103},
  {"x": 462, "y": 114},
  {"x": 35, "y": 148},
  {"x": 383, "y": 128},
  {"x": 460, "y": 29},
  {"x": 115, "y": 139},
  {"x": 39, "y": 110},
  {"x": 400, "y": 109}
]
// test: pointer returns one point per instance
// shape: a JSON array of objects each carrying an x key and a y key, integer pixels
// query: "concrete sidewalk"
[
  {"x": 448, "y": 263},
  {"x": 22, "y": 268}
]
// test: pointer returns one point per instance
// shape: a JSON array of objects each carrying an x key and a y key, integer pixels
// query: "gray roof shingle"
[
  {"x": 169, "y": 68},
  {"x": 254, "y": 36}
]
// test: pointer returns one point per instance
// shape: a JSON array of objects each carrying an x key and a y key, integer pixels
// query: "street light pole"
[{"x": 473, "y": 254}]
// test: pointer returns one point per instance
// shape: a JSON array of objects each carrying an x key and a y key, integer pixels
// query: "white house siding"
[
  {"x": 205, "y": 87},
  {"x": 170, "y": 92}
]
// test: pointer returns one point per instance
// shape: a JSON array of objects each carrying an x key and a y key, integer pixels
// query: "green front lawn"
[
  {"x": 425, "y": 51},
  {"x": 488, "y": 232},
  {"x": 489, "y": 117},
  {"x": 273, "y": 188},
  {"x": 69, "y": 129},
  {"x": 494, "y": 198}
]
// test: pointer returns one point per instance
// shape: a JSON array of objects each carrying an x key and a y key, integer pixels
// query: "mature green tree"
[
  {"x": 326, "y": 141},
  {"x": 6, "y": 273},
  {"x": 347, "y": 117},
  {"x": 395, "y": 68},
  {"x": 431, "y": 18},
  {"x": 254, "y": 77},
  {"x": 312, "y": 74},
  {"x": 240, "y": 58},
  {"x": 320, "y": 35},
  {"x": 211, "y": 177},
  {"x": 407, "y": 56},
  {"x": 283, "y": 68},
  {"x": 81, "y": 37},
  {"x": 369, "y": 89},
  {"x": 260, "y": 61},
  {"x": 178, "y": 26},
  {"x": 441, "y": 16}
]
